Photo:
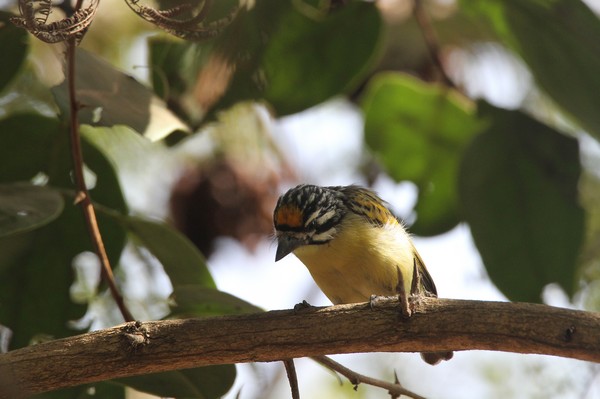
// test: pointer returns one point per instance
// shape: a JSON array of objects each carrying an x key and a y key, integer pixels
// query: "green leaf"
[
  {"x": 275, "y": 51},
  {"x": 36, "y": 276},
  {"x": 197, "y": 301},
  {"x": 174, "y": 65},
  {"x": 130, "y": 153},
  {"x": 558, "y": 39},
  {"x": 13, "y": 42},
  {"x": 111, "y": 97},
  {"x": 199, "y": 383},
  {"x": 35, "y": 283},
  {"x": 25, "y": 207},
  {"x": 311, "y": 60},
  {"x": 182, "y": 261},
  {"x": 418, "y": 131},
  {"x": 98, "y": 390},
  {"x": 29, "y": 142},
  {"x": 519, "y": 194}
]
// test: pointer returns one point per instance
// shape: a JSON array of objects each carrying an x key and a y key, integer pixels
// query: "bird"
[{"x": 352, "y": 245}]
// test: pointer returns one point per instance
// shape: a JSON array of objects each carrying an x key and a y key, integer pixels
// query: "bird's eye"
[{"x": 312, "y": 225}]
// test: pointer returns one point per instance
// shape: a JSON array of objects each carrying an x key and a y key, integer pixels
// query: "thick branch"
[{"x": 436, "y": 325}]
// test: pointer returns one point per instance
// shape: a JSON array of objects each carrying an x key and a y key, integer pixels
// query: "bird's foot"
[{"x": 302, "y": 305}]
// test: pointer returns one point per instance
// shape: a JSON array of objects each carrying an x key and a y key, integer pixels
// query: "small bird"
[{"x": 352, "y": 245}]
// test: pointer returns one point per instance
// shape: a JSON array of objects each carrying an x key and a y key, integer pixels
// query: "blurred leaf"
[
  {"x": 110, "y": 97},
  {"x": 27, "y": 95},
  {"x": 36, "y": 277},
  {"x": 135, "y": 158},
  {"x": 558, "y": 39},
  {"x": 13, "y": 42},
  {"x": 197, "y": 301},
  {"x": 273, "y": 51},
  {"x": 98, "y": 390},
  {"x": 418, "y": 131},
  {"x": 25, "y": 207},
  {"x": 182, "y": 261},
  {"x": 28, "y": 143},
  {"x": 519, "y": 194},
  {"x": 309, "y": 61},
  {"x": 202, "y": 382},
  {"x": 174, "y": 65}
]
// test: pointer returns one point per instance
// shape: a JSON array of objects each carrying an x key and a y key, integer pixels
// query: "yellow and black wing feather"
[{"x": 366, "y": 203}]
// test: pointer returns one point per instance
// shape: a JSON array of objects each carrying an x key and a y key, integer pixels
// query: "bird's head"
[{"x": 307, "y": 215}]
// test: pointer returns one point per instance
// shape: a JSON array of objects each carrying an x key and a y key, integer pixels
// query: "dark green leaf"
[
  {"x": 197, "y": 301},
  {"x": 174, "y": 65},
  {"x": 35, "y": 278},
  {"x": 29, "y": 142},
  {"x": 311, "y": 60},
  {"x": 182, "y": 261},
  {"x": 34, "y": 286},
  {"x": 558, "y": 39},
  {"x": 100, "y": 390},
  {"x": 13, "y": 42},
  {"x": 418, "y": 131},
  {"x": 198, "y": 383},
  {"x": 274, "y": 51},
  {"x": 110, "y": 97},
  {"x": 518, "y": 188},
  {"x": 25, "y": 207}
]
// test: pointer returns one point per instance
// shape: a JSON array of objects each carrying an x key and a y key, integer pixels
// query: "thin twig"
[
  {"x": 83, "y": 197},
  {"x": 356, "y": 378},
  {"x": 431, "y": 40},
  {"x": 290, "y": 370}
]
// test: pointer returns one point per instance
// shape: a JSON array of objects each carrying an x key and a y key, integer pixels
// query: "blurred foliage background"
[{"x": 489, "y": 109}]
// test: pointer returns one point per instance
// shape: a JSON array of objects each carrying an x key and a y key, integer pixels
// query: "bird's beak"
[{"x": 286, "y": 245}]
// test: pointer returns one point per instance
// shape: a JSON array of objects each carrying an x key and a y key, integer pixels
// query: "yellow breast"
[{"x": 362, "y": 260}]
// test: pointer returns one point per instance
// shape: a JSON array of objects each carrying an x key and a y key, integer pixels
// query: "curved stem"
[
  {"x": 83, "y": 197},
  {"x": 431, "y": 40}
]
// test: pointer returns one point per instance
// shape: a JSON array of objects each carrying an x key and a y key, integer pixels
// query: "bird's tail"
[{"x": 434, "y": 358}]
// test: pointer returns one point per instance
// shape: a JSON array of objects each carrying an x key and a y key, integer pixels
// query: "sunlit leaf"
[
  {"x": 418, "y": 132},
  {"x": 518, "y": 188}
]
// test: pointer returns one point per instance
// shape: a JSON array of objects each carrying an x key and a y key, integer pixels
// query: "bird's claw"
[{"x": 302, "y": 305}]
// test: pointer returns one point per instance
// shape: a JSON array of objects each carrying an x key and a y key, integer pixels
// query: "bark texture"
[{"x": 436, "y": 325}]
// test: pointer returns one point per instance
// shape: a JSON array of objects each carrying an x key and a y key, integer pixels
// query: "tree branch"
[
  {"x": 394, "y": 389},
  {"x": 436, "y": 325}
]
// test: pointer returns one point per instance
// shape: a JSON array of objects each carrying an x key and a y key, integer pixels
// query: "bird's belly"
[{"x": 351, "y": 275}]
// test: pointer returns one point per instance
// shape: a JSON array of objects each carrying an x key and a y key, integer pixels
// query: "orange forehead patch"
[{"x": 289, "y": 215}]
